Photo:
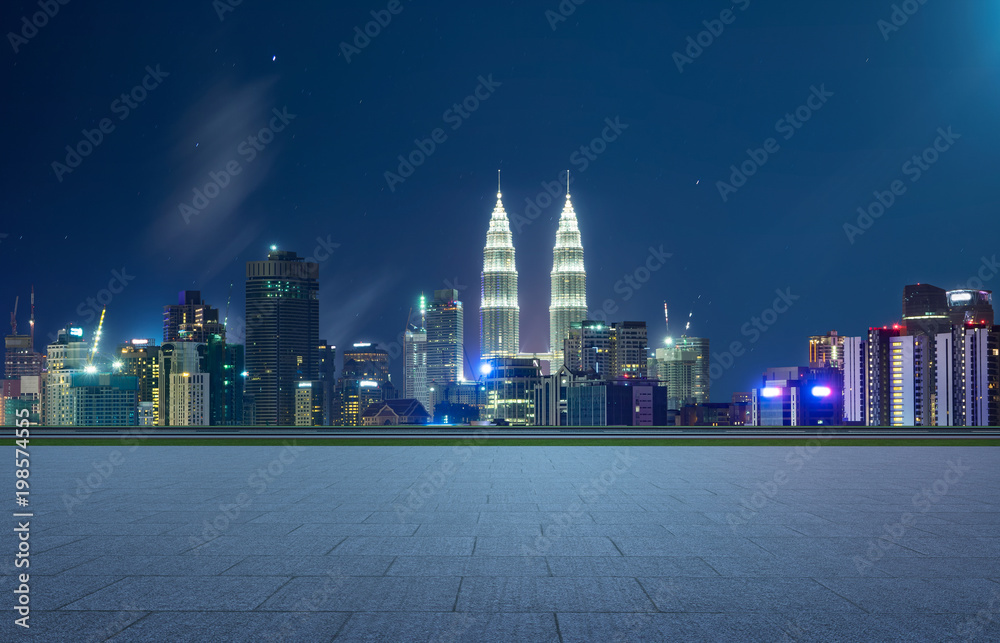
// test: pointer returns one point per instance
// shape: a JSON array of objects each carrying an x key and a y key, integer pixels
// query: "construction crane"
[
  {"x": 225, "y": 322},
  {"x": 13, "y": 318},
  {"x": 97, "y": 340}
]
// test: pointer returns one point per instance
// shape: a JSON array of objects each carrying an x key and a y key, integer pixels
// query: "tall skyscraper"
[
  {"x": 445, "y": 348},
  {"x": 140, "y": 358},
  {"x": 911, "y": 360},
  {"x": 499, "y": 314},
  {"x": 415, "y": 360},
  {"x": 568, "y": 280},
  {"x": 944, "y": 380},
  {"x": 878, "y": 377},
  {"x": 327, "y": 378},
  {"x": 20, "y": 358},
  {"x": 856, "y": 381},
  {"x": 682, "y": 365},
  {"x": 66, "y": 356},
  {"x": 191, "y": 319},
  {"x": 976, "y": 370},
  {"x": 587, "y": 348},
  {"x": 282, "y": 333},
  {"x": 225, "y": 364},
  {"x": 629, "y": 346},
  {"x": 184, "y": 384}
]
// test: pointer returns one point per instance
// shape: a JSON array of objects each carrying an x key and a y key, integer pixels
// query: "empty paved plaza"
[{"x": 502, "y": 543}]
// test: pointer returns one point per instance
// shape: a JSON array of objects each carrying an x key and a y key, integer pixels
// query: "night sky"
[{"x": 322, "y": 178}]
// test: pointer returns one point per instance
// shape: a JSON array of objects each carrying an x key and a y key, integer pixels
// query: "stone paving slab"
[{"x": 513, "y": 543}]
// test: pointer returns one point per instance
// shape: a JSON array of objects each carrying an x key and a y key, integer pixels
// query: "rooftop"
[{"x": 489, "y": 543}]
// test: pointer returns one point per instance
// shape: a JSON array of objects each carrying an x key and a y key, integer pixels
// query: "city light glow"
[
  {"x": 821, "y": 391},
  {"x": 770, "y": 391}
]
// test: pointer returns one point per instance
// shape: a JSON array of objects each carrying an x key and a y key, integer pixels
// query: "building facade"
[
  {"x": 20, "y": 358},
  {"x": 184, "y": 360},
  {"x": 366, "y": 361},
  {"x": 970, "y": 306},
  {"x": 395, "y": 413},
  {"x": 856, "y": 381},
  {"x": 629, "y": 349},
  {"x": 912, "y": 387},
  {"x": 616, "y": 403},
  {"x": 587, "y": 349},
  {"x": 191, "y": 319},
  {"x": 189, "y": 398},
  {"x": 926, "y": 310},
  {"x": 415, "y": 360},
  {"x": 798, "y": 396},
  {"x": 510, "y": 390},
  {"x": 282, "y": 333},
  {"x": 878, "y": 378},
  {"x": 499, "y": 313},
  {"x": 445, "y": 338},
  {"x": 102, "y": 399},
  {"x": 826, "y": 351},
  {"x": 309, "y": 404},
  {"x": 682, "y": 366},
  {"x": 140, "y": 358},
  {"x": 68, "y": 355}
]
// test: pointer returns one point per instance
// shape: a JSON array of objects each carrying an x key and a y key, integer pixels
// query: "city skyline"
[{"x": 962, "y": 306}]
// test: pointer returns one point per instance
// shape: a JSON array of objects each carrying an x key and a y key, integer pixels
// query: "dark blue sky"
[{"x": 323, "y": 176}]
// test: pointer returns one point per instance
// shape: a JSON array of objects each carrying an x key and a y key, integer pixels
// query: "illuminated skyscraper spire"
[
  {"x": 499, "y": 313},
  {"x": 569, "y": 280}
]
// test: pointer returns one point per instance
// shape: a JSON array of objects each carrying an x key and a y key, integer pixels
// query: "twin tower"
[{"x": 499, "y": 311}]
